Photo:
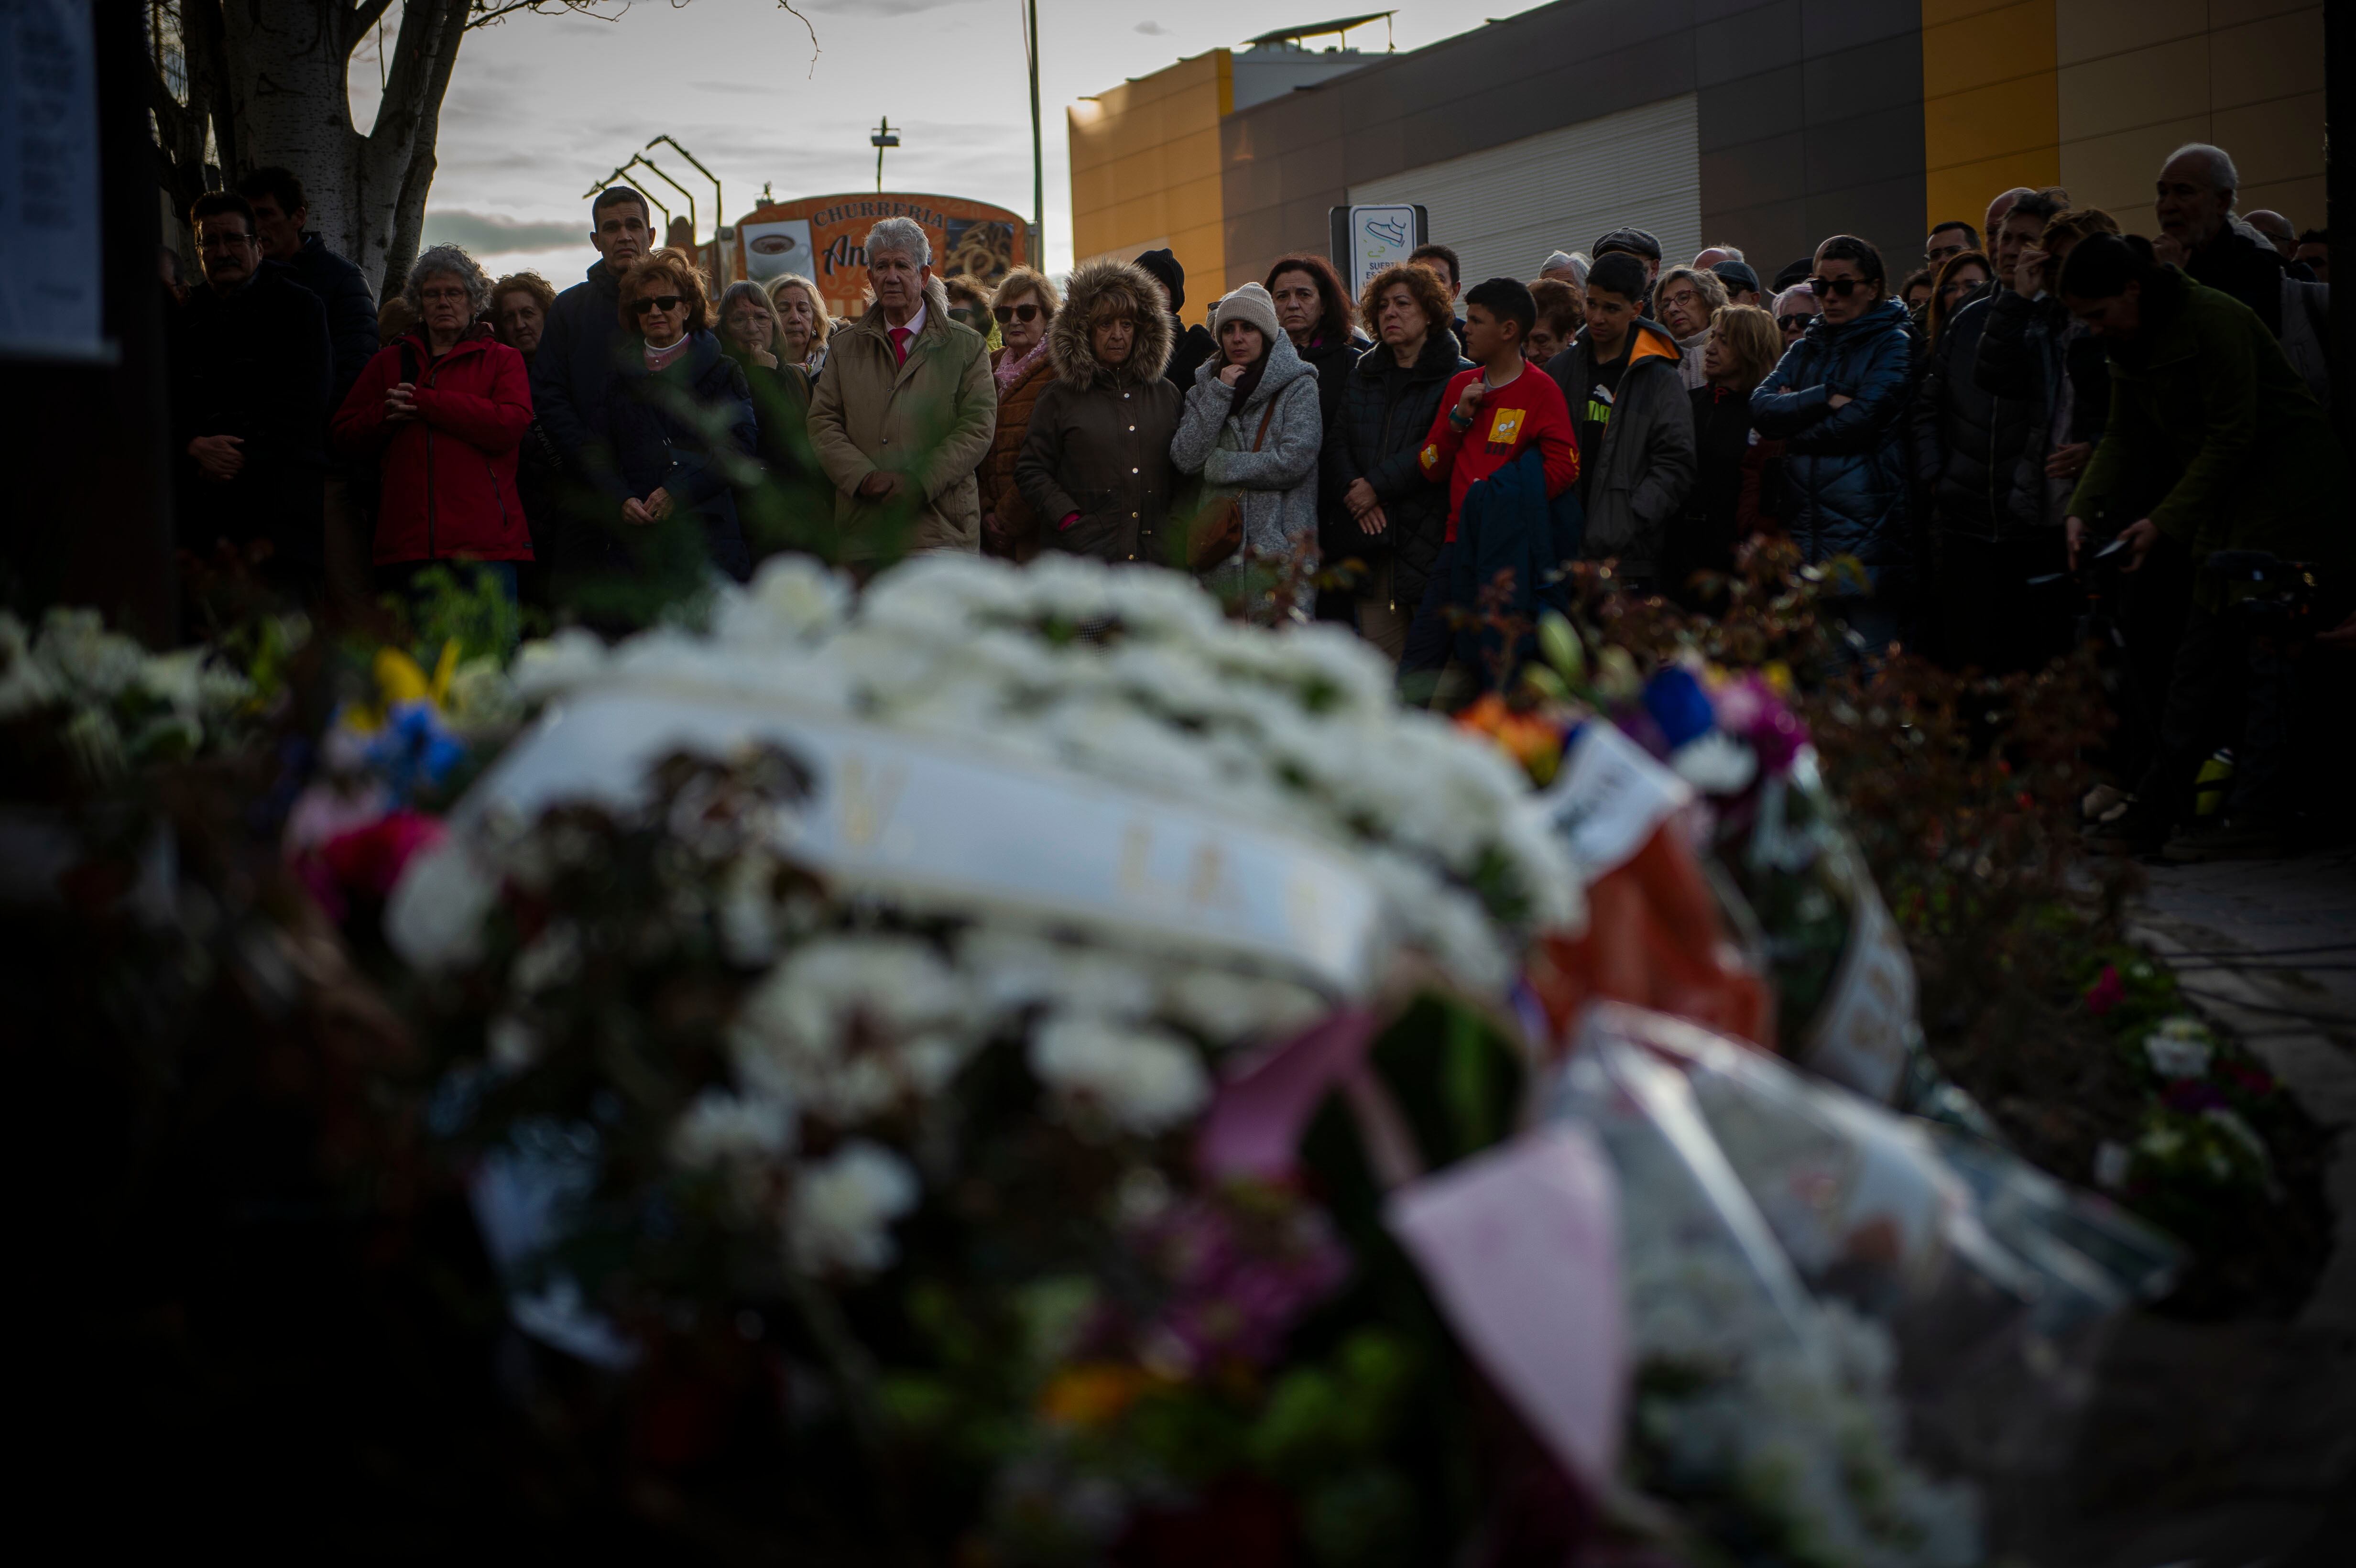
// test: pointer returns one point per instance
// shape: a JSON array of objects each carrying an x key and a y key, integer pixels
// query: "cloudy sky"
[{"x": 542, "y": 107}]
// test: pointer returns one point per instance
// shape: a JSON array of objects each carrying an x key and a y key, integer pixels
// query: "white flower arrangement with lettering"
[{"x": 842, "y": 1030}]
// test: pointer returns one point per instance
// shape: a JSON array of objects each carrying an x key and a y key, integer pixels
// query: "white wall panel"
[{"x": 1504, "y": 209}]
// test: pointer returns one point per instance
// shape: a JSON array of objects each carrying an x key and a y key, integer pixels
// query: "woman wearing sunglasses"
[
  {"x": 1837, "y": 400},
  {"x": 1024, "y": 305},
  {"x": 667, "y": 470}
]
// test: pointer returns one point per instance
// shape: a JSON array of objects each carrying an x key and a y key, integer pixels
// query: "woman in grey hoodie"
[{"x": 1255, "y": 393}]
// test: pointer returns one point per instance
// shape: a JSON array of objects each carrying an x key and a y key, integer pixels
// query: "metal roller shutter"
[{"x": 1504, "y": 209}]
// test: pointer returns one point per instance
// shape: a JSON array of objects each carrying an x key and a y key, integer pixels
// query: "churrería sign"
[{"x": 821, "y": 237}]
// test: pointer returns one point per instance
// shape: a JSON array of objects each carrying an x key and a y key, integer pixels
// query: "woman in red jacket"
[{"x": 441, "y": 411}]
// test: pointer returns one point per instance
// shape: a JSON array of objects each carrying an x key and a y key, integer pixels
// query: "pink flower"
[
  {"x": 368, "y": 860},
  {"x": 2107, "y": 991}
]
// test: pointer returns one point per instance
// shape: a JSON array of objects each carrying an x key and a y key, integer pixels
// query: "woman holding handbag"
[{"x": 1252, "y": 428}]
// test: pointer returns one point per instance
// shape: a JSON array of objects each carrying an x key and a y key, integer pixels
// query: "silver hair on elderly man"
[
  {"x": 447, "y": 261},
  {"x": 899, "y": 237}
]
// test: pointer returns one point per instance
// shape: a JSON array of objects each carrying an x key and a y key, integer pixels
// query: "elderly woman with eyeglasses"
[
  {"x": 440, "y": 410},
  {"x": 666, "y": 467},
  {"x": 1024, "y": 307}
]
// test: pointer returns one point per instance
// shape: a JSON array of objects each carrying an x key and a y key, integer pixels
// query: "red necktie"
[{"x": 899, "y": 336}]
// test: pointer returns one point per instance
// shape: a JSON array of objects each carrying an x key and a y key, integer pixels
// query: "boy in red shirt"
[{"x": 1488, "y": 417}]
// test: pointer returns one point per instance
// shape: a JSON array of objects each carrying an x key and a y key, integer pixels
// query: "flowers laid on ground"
[{"x": 112, "y": 705}]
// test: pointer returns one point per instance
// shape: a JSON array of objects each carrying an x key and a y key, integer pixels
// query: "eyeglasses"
[
  {"x": 1794, "y": 324},
  {"x": 1841, "y": 286},
  {"x": 1026, "y": 311},
  {"x": 663, "y": 302},
  {"x": 223, "y": 241}
]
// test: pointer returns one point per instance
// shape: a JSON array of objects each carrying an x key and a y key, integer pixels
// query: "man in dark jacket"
[
  {"x": 2196, "y": 214},
  {"x": 1980, "y": 456},
  {"x": 347, "y": 501},
  {"x": 280, "y": 210},
  {"x": 2207, "y": 413},
  {"x": 581, "y": 349},
  {"x": 1621, "y": 381},
  {"x": 1191, "y": 345},
  {"x": 251, "y": 379}
]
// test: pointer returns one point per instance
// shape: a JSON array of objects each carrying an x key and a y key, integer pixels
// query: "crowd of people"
[{"x": 2047, "y": 419}]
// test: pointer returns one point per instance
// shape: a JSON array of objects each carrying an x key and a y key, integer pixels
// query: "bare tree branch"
[
  {"x": 788, "y": 7},
  {"x": 365, "y": 15}
]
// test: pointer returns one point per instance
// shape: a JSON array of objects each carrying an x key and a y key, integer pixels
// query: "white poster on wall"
[
  {"x": 49, "y": 274},
  {"x": 773, "y": 249}
]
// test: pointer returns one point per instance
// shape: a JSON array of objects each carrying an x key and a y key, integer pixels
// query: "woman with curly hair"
[
  {"x": 665, "y": 464},
  {"x": 1394, "y": 520},
  {"x": 440, "y": 412}
]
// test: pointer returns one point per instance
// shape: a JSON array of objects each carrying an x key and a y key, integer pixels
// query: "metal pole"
[
  {"x": 693, "y": 222},
  {"x": 719, "y": 201},
  {"x": 1038, "y": 163}
]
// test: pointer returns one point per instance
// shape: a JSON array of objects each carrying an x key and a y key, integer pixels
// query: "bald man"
[
  {"x": 2002, "y": 205},
  {"x": 2277, "y": 228}
]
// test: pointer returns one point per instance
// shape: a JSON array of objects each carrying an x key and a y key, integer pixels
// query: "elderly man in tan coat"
[{"x": 904, "y": 411}]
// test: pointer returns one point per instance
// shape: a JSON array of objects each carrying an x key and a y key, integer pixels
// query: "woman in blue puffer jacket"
[{"x": 1838, "y": 401}]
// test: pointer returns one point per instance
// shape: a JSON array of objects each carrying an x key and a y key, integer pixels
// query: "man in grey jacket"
[{"x": 1621, "y": 380}]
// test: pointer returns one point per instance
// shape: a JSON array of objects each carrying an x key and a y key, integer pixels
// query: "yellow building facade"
[
  {"x": 1145, "y": 169},
  {"x": 2093, "y": 95}
]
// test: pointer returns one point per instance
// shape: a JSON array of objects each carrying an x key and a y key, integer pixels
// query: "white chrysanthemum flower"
[
  {"x": 89, "y": 662},
  {"x": 434, "y": 918},
  {"x": 1231, "y": 1008},
  {"x": 483, "y": 698},
  {"x": 24, "y": 686},
  {"x": 570, "y": 660},
  {"x": 1012, "y": 969},
  {"x": 2180, "y": 1047},
  {"x": 1143, "y": 1080},
  {"x": 830, "y": 1027},
  {"x": 839, "y": 1216},
  {"x": 791, "y": 599},
  {"x": 721, "y": 1129}
]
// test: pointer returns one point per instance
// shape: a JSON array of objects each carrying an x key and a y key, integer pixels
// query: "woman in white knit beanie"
[{"x": 1253, "y": 428}]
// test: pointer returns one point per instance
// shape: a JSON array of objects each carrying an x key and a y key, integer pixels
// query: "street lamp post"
[
  {"x": 1038, "y": 165},
  {"x": 884, "y": 136}
]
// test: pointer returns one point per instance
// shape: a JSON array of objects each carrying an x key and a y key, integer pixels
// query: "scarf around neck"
[{"x": 1010, "y": 369}]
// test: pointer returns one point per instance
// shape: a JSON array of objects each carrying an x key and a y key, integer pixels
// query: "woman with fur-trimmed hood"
[{"x": 1094, "y": 465}]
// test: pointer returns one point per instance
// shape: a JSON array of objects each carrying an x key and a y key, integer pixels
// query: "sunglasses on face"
[
  {"x": 1006, "y": 313},
  {"x": 663, "y": 302},
  {"x": 1841, "y": 286},
  {"x": 1793, "y": 324}
]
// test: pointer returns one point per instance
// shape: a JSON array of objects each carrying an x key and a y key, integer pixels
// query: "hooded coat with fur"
[
  {"x": 928, "y": 420},
  {"x": 1276, "y": 487},
  {"x": 1098, "y": 452}
]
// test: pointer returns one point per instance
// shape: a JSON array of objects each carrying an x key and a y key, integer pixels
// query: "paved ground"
[{"x": 2232, "y": 1445}]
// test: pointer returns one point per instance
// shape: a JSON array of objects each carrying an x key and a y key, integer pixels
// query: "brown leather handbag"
[{"x": 1218, "y": 533}]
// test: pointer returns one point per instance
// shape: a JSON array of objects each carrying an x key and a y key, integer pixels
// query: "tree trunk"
[{"x": 286, "y": 71}]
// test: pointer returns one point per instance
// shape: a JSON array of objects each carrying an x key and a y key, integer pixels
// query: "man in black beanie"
[{"x": 1193, "y": 343}]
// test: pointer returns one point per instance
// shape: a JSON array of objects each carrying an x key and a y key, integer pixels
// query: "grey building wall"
[{"x": 1810, "y": 110}]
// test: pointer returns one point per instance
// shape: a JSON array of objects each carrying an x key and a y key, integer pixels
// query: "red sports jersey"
[{"x": 1529, "y": 408}]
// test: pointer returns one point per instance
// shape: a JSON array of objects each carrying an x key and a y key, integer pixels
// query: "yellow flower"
[{"x": 1094, "y": 1395}]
